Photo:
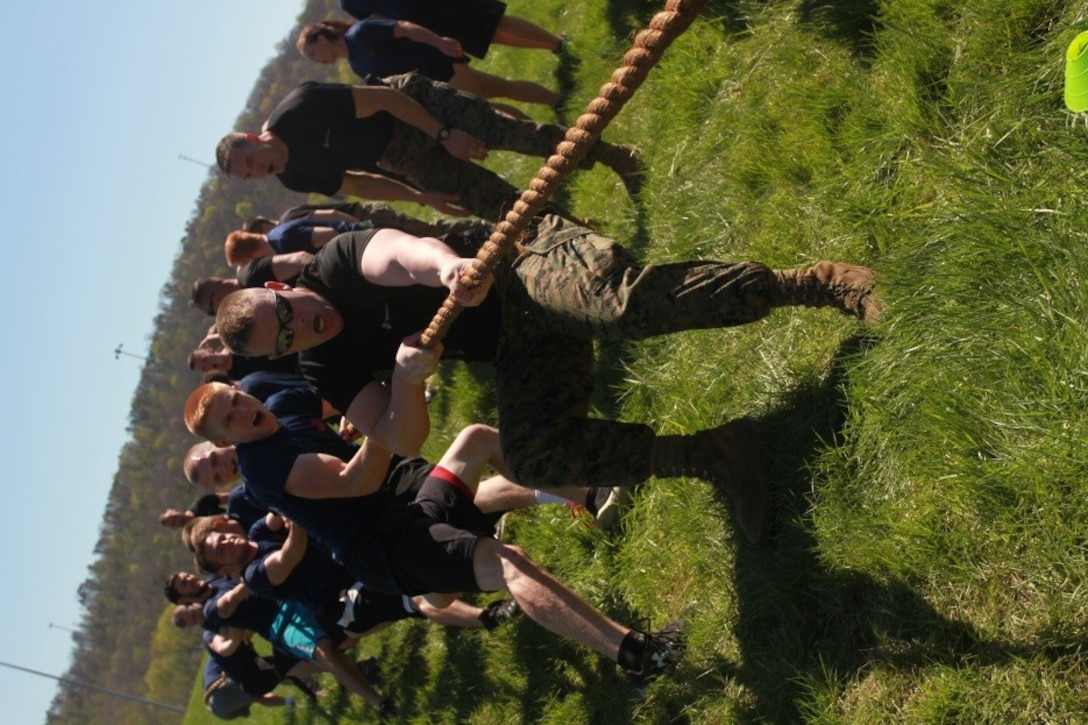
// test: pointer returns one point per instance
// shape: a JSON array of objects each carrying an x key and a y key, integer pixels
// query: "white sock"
[{"x": 545, "y": 497}]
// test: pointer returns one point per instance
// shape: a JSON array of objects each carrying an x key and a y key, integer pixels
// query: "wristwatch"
[{"x": 443, "y": 133}]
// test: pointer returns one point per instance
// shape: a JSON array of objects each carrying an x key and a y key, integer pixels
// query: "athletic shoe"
[
  {"x": 498, "y": 613},
  {"x": 563, "y": 48},
  {"x": 661, "y": 650},
  {"x": 606, "y": 505},
  {"x": 370, "y": 670}
]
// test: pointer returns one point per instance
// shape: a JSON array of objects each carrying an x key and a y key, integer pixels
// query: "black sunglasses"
[{"x": 284, "y": 314}]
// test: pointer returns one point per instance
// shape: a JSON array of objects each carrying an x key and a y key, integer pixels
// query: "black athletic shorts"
[{"x": 425, "y": 547}]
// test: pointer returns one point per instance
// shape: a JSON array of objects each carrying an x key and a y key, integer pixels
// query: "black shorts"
[
  {"x": 373, "y": 608},
  {"x": 425, "y": 547}
]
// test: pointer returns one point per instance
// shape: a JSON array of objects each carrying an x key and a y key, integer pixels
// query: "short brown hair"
[
  {"x": 203, "y": 291},
  {"x": 195, "y": 534},
  {"x": 234, "y": 320},
  {"x": 331, "y": 29},
  {"x": 196, "y": 409},
  {"x": 223, "y": 149}
]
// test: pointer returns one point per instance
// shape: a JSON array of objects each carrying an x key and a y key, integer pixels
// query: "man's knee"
[{"x": 497, "y": 565}]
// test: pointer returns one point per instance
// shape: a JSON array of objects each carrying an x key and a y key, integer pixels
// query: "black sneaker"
[
  {"x": 370, "y": 670},
  {"x": 498, "y": 613},
  {"x": 661, "y": 651}
]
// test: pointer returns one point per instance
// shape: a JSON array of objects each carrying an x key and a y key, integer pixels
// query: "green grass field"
[{"x": 930, "y": 557}]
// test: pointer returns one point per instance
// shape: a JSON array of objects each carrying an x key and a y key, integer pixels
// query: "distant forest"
[{"x": 124, "y": 639}]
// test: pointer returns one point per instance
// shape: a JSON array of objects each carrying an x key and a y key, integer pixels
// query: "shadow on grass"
[
  {"x": 626, "y": 17},
  {"x": 852, "y": 23},
  {"x": 801, "y": 623}
]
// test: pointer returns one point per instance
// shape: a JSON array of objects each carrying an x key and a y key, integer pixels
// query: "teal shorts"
[{"x": 296, "y": 630}]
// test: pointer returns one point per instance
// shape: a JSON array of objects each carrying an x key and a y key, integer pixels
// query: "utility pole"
[
  {"x": 117, "y": 353},
  {"x": 98, "y": 688}
]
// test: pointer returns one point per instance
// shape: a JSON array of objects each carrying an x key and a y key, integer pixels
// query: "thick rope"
[{"x": 649, "y": 46}]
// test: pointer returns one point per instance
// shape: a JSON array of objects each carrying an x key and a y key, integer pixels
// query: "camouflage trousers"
[
  {"x": 568, "y": 288},
  {"x": 425, "y": 163}
]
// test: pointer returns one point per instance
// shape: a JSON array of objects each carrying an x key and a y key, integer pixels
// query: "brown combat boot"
[
  {"x": 729, "y": 457},
  {"x": 846, "y": 287}
]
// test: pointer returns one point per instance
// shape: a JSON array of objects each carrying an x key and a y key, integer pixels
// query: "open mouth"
[
  {"x": 257, "y": 419},
  {"x": 319, "y": 324}
]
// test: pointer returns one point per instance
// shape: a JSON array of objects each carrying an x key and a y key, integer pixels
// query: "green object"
[{"x": 1076, "y": 74}]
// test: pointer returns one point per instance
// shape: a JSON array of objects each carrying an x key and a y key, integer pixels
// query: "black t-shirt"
[
  {"x": 206, "y": 505},
  {"x": 259, "y": 271},
  {"x": 377, "y": 319},
  {"x": 324, "y": 138},
  {"x": 242, "y": 366}
]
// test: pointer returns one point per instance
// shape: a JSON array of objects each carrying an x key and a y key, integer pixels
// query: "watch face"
[{"x": 443, "y": 133}]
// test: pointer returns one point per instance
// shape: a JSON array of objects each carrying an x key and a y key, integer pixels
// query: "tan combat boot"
[
  {"x": 731, "y": 458},
  {"x": 846, "y": 287}
]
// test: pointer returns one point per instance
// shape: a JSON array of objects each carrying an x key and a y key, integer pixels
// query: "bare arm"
[
  {"x": 382, "y": 188},
  {"x": 211, "y": 339},
  {"x": 286, "y": 266},
  {"x": 420, "y": 34},
  {"x": 396, "y": 259},
  {"x": 396, "y": 417},
  {"x": 228, "y": 603},
  {"x": 319, "y": 475},
  {"x": 280, "y": 564},
  {"x": 374, "y": 99},
  {"x": 330, "y": 215},
  {"x": 320, "y": 236},
  {"x": 225, "y": 645}
]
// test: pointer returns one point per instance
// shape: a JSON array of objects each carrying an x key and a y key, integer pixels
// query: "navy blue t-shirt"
[
  {"x": 316, "y": 581},
  {"x": 244, "y": 667},
  {"x": 297, "y": 234},
  {"x": 255, "y": 614},
  {"x": 243, "y": 508},
  {"x": 266, "y": 464},
  {"x": 374, "y": 50},
  {"x": 263, "y": 384}
]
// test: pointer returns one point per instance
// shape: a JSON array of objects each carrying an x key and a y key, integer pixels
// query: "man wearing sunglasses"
[{"x": 365, "y": 291}]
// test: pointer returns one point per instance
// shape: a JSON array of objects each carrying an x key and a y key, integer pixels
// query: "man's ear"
[{"x": 277, "y": 285}]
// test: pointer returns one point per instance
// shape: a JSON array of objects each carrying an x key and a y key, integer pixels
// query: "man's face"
[
  {"x": 218, "y": 292},
  {"x": 236, "y": 417},
  {"x": 189, "y": 586},
  {"x": 215, "y": 466},
  {"x": 225, "y": 549},
  {"x": 298, "y": 319},
  {"x": 254, "y": 160},
  {"x": 320, "y": 51},
  {"x": 212, "y": 361}
]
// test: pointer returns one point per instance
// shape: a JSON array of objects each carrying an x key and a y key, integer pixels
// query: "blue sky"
[{"x": 101, "y": 100}]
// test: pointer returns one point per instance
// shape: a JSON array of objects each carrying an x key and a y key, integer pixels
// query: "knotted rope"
[{"x": 649, "y": 45}]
